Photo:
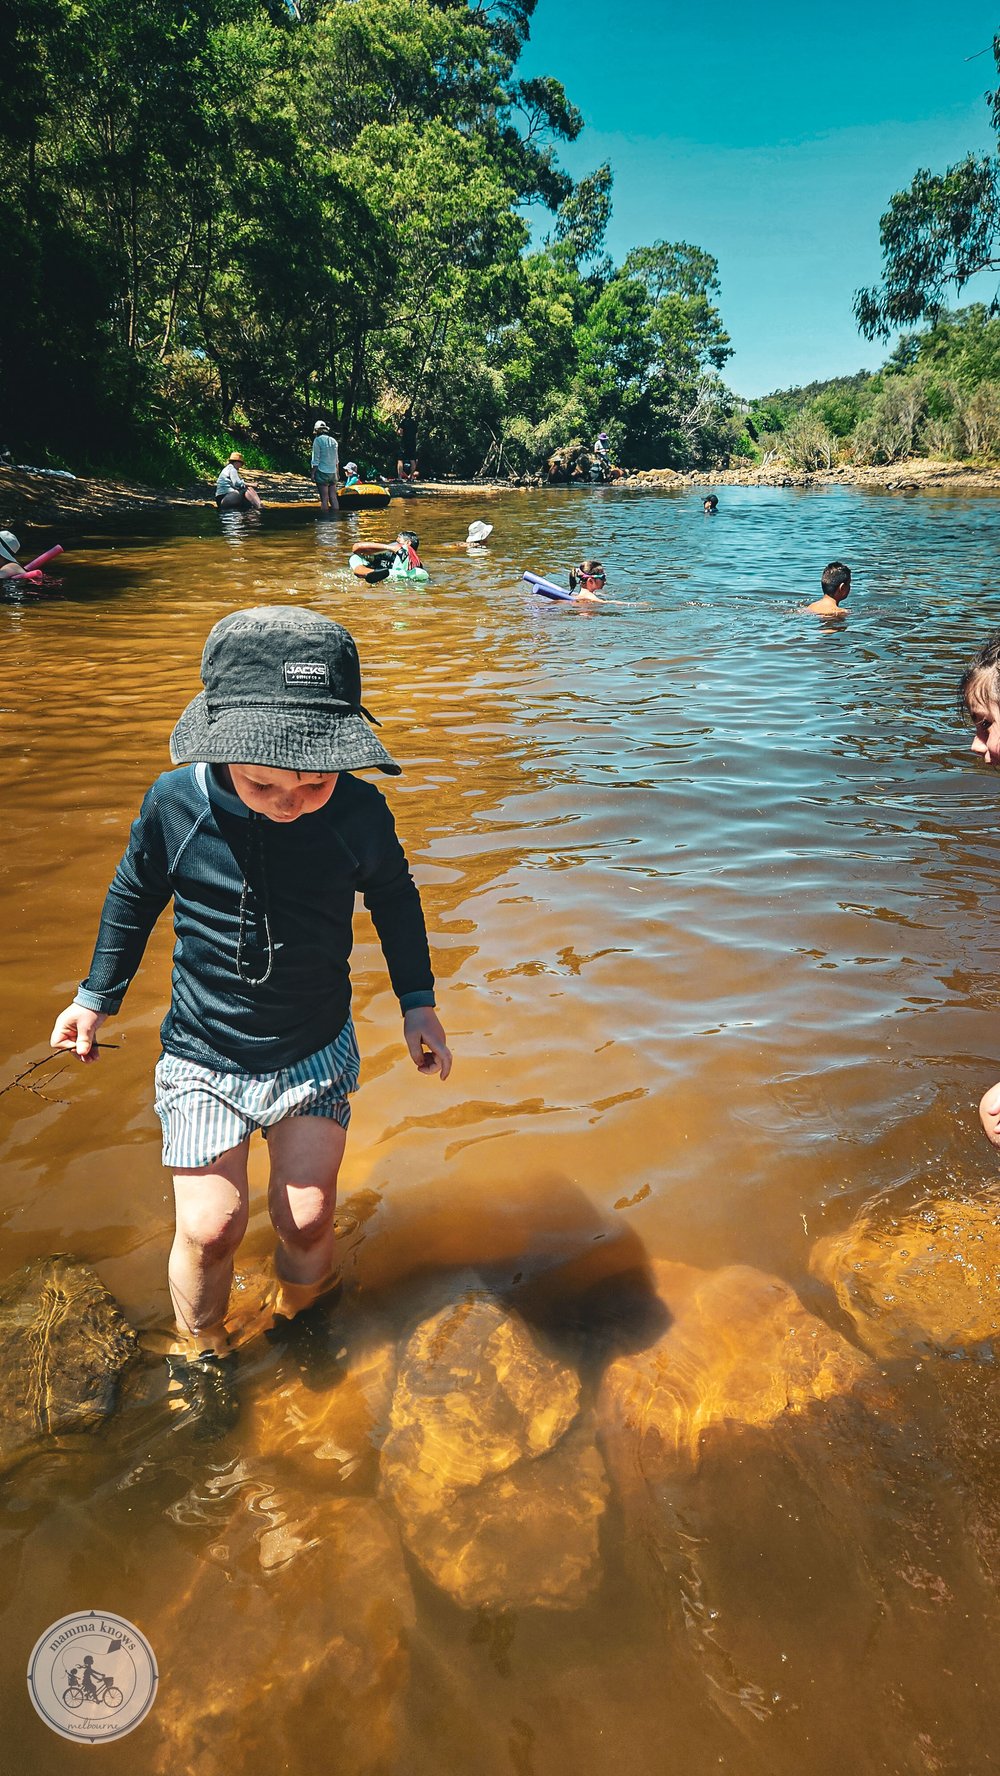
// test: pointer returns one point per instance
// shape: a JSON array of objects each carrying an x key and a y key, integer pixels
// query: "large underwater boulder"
[
  {"x": 64, "y": 1345},
  {"x": 499, "y": 1490},
  {"x": 924, "y": 1279}
]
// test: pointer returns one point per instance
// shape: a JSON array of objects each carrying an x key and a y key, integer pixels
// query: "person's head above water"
[
  {"x": 836, "y": 580},
  {"x": 979, "y": 699},
  {"x": 9, "y": 545},
  {"x": 711, "y": 502},
  {"x": 589, "y": 573}
]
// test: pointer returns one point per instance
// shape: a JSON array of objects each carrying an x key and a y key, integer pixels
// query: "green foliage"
[{"x": 226, "y": 222}]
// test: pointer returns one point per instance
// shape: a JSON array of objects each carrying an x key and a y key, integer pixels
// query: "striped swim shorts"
[{"x": 204, "y": 1112}]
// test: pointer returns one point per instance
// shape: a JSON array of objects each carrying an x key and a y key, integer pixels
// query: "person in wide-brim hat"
[
  {"x": 10, "y": 567},
  {"x": 262, "y": 839},
  {"x": 283, "y": 689}
]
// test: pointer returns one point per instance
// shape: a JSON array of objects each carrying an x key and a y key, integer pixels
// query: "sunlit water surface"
[{"x": 711, "y": 890}]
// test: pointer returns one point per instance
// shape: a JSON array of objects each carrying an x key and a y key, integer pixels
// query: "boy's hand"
[
  {"x": 426, "y": 1041},
  {"x": 76, "y": 1028},
  {"x": 989, "y": 1113}
]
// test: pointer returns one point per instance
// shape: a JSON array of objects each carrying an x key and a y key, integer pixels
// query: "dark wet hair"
[
  {"x": 836, "y": 575},
  {"x": 711, "y": 500},
  {"x": 411, "y": 537},
  {"x": 985, "y": 663},
  {"x": 589, "y": 569}
]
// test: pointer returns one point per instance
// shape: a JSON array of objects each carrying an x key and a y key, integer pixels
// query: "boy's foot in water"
[
  {"x": 314, "y": 1340},
  {"x": 205, "y": 1388}
]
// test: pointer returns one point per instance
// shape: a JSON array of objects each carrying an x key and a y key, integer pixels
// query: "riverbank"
[{"x": 41, "y": 498}]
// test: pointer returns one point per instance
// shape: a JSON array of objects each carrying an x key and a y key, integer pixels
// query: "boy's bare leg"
[
  {"x": 212, "y": 1208},
  {"x": 305, "y": 1152}
]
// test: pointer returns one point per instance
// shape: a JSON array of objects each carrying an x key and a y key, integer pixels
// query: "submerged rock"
[
  {"x": 739, "y": 1349},
  {"x": 289, "y": 1647},
  {"x": 781, "y": 1516},
  {"x": 64, "y": 1343},
  {"x": 928, "y": 1279},
  {"x": 498, "y": 1499},
  {"x": 341, "y": 1425}
]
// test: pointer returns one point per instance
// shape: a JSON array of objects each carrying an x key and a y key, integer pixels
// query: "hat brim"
[{"x": 281, "y": 739}]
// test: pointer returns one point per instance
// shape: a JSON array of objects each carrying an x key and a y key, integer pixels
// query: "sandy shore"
[{"x": 34, "y": 498}]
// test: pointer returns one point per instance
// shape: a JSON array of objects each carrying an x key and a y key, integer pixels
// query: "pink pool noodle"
[{"x": 40, "y": 560}]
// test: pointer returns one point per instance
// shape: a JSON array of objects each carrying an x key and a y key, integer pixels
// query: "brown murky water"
[{"x": 711, "y": 894}]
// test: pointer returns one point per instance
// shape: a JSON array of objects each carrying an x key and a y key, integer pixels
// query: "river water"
[{"x": 711, "y": 890}]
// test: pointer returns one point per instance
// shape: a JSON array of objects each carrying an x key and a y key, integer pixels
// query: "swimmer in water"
[
  {"x": 979, "y": 700},
  {"x": 836, "y": 584},
  {"x": 711, "y": 505},
  {"x": 588, "y": 576},
  {"x": 379, "y": 559}
]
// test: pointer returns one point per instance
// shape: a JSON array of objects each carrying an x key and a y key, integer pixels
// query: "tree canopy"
[
  {"x": 936, "y": 236},
  {"x": 227, "y": 218}
]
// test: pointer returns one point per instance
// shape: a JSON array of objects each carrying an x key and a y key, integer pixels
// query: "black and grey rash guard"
[{"x": 252, "y": 994}]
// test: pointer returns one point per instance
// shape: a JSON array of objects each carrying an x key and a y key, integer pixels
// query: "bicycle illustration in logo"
[{"x": 88, "y": 1685}]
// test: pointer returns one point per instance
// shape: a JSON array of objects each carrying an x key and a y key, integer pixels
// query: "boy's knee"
[
  {"x": 307, "y": 1213},
  {"x": 214, "y": 1231}
]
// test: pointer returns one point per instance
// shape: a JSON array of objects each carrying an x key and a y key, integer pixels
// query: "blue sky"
[{"x": 773, "y": 136}]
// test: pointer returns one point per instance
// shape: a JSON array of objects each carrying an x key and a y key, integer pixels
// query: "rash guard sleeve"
[
  {"x": 139, "y": 891},
  {"x": 393, "y": 900}
]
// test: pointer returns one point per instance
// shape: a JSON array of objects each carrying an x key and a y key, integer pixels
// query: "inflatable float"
[
  {"x": 547, "y": 588},
  {"x": 364, "y": 496},
  {"x": 31, "y": 575},
  {"x": 379, "y": 561}
]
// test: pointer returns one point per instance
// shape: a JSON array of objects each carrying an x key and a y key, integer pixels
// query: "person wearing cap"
[
  {"x": 261, "y": 837},
  {"x": 10, "y": 567},
  {"x": 350, "y": 474},
  {"x": 232, "y": 493},
  {"x": 325, "y": 468}
]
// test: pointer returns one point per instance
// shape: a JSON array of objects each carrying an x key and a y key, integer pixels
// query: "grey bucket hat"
[{"x": 283, "y": 689}]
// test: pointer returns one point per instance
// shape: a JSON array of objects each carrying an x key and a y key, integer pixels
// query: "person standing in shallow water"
[
  {"x": 407, "y": 467},
  {"x": 325, "y": 468},
  {"x": 262, "y": 838}
]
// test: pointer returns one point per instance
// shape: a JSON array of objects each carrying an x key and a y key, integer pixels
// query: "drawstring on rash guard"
[{"x": 254, "y": 865}]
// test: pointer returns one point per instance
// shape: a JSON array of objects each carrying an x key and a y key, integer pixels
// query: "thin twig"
[{"x": 33, "y": 1066}]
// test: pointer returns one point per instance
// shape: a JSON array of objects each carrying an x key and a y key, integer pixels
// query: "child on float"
[
  {"x": 10, "y": 567},
  {"x": 262, "y": 837},
  {"x": 373, "y": 562}
]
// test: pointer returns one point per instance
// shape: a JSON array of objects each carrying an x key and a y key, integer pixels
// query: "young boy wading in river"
[{"x": 262, "y": 839}]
